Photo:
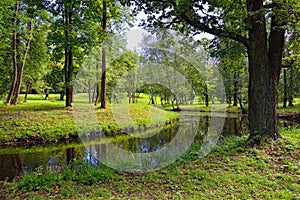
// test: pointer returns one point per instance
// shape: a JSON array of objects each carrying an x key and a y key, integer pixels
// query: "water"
[{"x": 16, "y": 160}]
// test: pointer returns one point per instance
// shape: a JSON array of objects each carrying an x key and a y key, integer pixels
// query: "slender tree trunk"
[
  {"x": 284, "y": 88},
  {"x": 15, "y": 74},
  {"x": 103, "y": 78},
  {"x": 97, "y": 86},
  {"x": 68, "y": 67},
  {"x": 206, "y": 96},
  {"x": 89, "y": 92},
  {"x": 175, "y": 83},
  {"x": 94, "y": 93},
  {"x": 62, "y": 94},
  {"x": 291, "y": 86},
  {"x": 235, "y": 90},
  {"x": 70, "y": 78},
  {"x": 27, "y": 91},
  {"x": 20, "y": 77}
]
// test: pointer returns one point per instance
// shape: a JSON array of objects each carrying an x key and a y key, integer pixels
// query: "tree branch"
[{"x": 213, "y": 31}]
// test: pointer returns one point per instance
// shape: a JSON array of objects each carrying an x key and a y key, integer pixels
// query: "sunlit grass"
[{"x": 49, "y": 120}]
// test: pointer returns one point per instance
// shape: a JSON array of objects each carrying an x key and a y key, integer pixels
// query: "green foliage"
[{"x": 47, "y": 179}]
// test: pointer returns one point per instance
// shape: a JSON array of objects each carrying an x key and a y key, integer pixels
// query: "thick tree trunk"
[
  {"x": 20, "y": 77},
  {"x": 103, "y": 77},
  {"x": 264, "y": 66},
  {"x": 15, "y": 74}
]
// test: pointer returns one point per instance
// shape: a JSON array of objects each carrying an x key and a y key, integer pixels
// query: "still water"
[{"x": 16, "y": 160}]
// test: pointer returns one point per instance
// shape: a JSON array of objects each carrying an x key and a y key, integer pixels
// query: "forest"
[{"x": 206, "y": 104}]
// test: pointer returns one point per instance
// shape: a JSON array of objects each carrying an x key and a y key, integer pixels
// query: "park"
[{"x": 205, "y": 106}]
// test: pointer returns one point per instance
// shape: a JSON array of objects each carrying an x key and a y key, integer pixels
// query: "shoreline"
[{"x": 38, "y": 141}]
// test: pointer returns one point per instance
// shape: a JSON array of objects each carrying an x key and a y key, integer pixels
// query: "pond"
[{"x": 16, "y": 160}]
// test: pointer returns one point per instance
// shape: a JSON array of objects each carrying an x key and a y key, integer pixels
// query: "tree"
[
  {"x": 232, "y": 63},
  {"x": 72, "y": 35},
  {"x": 6, "y": 50},
  {"x": 246, "y": 22},
  {"x": 103, "y": 76},
  {"x": 27, "y": 16}
]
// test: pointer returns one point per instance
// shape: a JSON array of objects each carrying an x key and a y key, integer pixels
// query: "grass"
[
  {"x": 231, "y": 171},
  {"x": 49, "y": 120},
  {"x": 295, "y": 108}
]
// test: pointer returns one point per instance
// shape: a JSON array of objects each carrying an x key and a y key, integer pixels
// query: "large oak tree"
[{"x": 259, "y": 25}]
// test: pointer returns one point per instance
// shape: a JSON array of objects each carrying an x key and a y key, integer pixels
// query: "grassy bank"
[
  {"x": 231, "y": 171},
  {"x": 41, "y": 120}
]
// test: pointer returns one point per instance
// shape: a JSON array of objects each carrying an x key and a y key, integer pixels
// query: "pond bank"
[
  {"x": 39, "y": 122},
  {"x": 230, "y": 171}
]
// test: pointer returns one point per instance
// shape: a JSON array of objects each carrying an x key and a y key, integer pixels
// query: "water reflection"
[{"x": 12, "y": 164}]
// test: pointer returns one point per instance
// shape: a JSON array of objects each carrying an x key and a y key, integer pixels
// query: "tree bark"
[
  {"x": 264, "y": 69},
  {"x": 15, "y": 63},
  {"x": 291, "y": 86},
  {"x": 284, "y": 88},
  {"x": 27, "y": 91},
  {"x": 20, "y": 77},
  {"x": 69, "y": 92},
  {"x": 68, "y": 56},
  {"x": 103, "y": 77},
  {"x": 235, "y": 90},
  {"x": 97, "y": 86},
  {"x": 206, "y": 96}
]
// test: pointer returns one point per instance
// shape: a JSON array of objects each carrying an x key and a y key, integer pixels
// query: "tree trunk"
[
  {"x": 235, "y": 90},
  {"x": 175, "y": 83},
  {"x": 67, "y": 81},
  {"x": 291, "y": 87},
  {"x": 15, "y": 75},
  {"x": 68, "y": 56},
  {"x": 284, "y": 88},
  {"x": 61, "y": 97},
  {"x": 97, "y": 86},
  {"x": 27, "y": 91},
  {"x": 70, "y": 78},
  {"x": 103, "y": 77},
  {"x": 263, "y": 75},
  {"x": 20, "y": 77},
  {"x": 206, "y": 96},
  {"x": 89, "y": 92}
]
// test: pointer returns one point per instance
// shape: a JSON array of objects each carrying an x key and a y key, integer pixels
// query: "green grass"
[
  {"x": 49, "y": 120},
  {"x": 295, "y": 108},
  {"x": 231, "y": 171}
]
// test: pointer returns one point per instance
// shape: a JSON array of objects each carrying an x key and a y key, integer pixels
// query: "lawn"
[{"x": 48, "y": 120}]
